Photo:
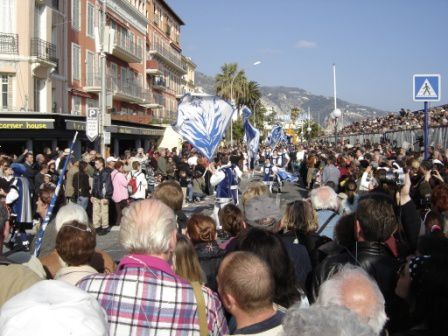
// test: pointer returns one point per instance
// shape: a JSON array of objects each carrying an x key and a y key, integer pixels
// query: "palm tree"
[{"x": 231, "y": 82}]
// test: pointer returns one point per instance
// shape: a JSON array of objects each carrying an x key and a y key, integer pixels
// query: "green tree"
[
  {"x": 315, "y": 130},
  {"x": 295, "y": 113},
  {"x": 231, "y": 83}
]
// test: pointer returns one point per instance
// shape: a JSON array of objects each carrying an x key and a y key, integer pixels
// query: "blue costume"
[
  {"x": 267, "y": 173},
  {"x": 226, "y": 187}
]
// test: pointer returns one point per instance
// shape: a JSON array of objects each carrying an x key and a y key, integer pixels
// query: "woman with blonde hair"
[{"x": 300, "y": 226}]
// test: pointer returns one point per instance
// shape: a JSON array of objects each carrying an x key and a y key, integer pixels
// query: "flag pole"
[{"x": 40, "y": 234}]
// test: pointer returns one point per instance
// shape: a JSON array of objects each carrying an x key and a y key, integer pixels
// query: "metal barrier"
[{"x": 438, "y": 136}]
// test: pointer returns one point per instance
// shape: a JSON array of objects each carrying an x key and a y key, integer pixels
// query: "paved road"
[{"x": 110, "y": 244}]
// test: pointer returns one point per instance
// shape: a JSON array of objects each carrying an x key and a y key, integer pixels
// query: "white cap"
[
  {"x": 62, "y": 310},
  {"x": 435, "y": 161},
  {"x": 111, "y": 159}
]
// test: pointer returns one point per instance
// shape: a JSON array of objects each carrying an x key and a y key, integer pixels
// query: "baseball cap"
[
  {"x": 111, "y": 159},
  {"x": 262, "y": 212}
]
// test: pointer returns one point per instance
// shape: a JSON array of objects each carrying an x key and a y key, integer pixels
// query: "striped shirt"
[{"x": 145, "y": 297}]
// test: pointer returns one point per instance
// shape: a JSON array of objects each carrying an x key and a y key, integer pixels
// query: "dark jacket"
[
  {"x": 210, "y": 256},
  {"x": 102, "y": 184},
  {"x": 311, "y": 241},
  {"x": 81, "y": 185},
  {"x": 378, "y": 261}
]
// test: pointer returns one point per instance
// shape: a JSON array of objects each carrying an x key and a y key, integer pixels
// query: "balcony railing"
[
  {"x": 121, "y": 89},
  {"x": 168, "y": 54},
  {"x": 9, "y": 43},
  {"x": 43, "y": 50},
  {"x": 159, "y": 82},
  {"x": 126, "y": 88},
  {"x": 128, "y": 45}
]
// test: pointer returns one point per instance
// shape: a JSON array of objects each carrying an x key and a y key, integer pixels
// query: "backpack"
[{"x": 132, "y": 184}]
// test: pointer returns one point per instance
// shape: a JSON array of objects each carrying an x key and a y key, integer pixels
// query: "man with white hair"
[
  {"x": 325, "y": 202},
  {"x": 144, "y": 295},
  {"x": 323, "y": 321},
  {"x": 354, "y": 289}
]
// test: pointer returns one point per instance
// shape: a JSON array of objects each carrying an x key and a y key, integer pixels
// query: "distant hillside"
[{"x": 282, "y": 99}]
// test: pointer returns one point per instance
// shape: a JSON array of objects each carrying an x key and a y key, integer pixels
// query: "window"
[
  {"x": 5, "y": 92},
  {"x": 76, "y": 24},
  {"x": 90, "y": 68},
  {"x": 76, "y": 105},
  {"x": 76, "y": 62},
  {"x": 90, "y": 20},
  {"x": 39, "y": 86}
]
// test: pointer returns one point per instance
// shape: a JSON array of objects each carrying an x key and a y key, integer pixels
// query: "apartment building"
[
  {"x": 164, "y": 66},
  {"x": 50, "y": 64},
  {"x": 188, "y": 82}
]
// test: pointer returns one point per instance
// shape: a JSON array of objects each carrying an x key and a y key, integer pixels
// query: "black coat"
[
  {"x": 210, "y": 256},
  {"x": 378, "y": 261}
]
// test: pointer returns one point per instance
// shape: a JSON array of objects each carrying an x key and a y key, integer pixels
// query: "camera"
[{"x": 394, "y": 175}]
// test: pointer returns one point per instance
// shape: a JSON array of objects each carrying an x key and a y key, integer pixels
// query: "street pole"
[
  {"x": 233, "y": 104},
  {"x": 426, "y": 130},
  {"x": 103, "y": 81}
]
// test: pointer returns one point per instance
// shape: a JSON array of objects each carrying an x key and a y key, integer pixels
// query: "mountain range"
[{"x": 281, "y": 99}]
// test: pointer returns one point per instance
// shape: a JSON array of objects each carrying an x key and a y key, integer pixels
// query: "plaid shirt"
[{"x": 145, "y": 297}]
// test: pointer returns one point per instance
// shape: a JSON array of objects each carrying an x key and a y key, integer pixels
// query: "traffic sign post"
[
  {"x": 426, "y": 88},
  {"x": 92, "y": 123}
]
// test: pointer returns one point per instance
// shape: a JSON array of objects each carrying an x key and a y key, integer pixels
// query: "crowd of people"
[
  {"x": 404, "y": 120},
  {"x": 363, "y": 252}
]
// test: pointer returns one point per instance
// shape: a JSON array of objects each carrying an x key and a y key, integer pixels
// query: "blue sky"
[{"x": 377, "y": 45}]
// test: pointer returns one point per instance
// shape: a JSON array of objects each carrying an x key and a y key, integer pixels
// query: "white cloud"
[{"x": 304, "y": 44}]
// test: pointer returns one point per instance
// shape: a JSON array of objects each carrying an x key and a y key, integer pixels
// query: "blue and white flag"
[
  {"x": 202, "y": 120},
  {"x": 285, "y": 176},
  {"x": 276, "y": 136},
  {"x": 251, "y": 133}
]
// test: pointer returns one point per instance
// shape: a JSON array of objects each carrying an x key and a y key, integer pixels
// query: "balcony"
[
  {"x": 123, "y": 90},
  {"x": 152, "y": 68},
  {"x": 126, "y": 49},
  {"x": 153, "y": 101},
  {"x": 168, "y": 56},
  {"x": 137, "y": 118},
  {"x": 9, "y": 44},
  {"x": 159, "y": 83},
  {"x": 44, "y": 51}
]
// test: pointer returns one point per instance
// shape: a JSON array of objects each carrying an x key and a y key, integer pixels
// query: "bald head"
[
  {"x": 324, "y": 198},
  {"x": 352, "y": 288},
  {"x": 248, "y": 279},
  {"x": 148, "y": 227}
]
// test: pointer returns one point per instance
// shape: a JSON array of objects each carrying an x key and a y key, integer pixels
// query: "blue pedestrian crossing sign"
[{"x": 427, "y": 88}]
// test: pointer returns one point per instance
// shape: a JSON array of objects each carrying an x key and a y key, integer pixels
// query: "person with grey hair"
[
  {"x": 66, "y": 213},
  {"x": 324, "y": 321},
  {"x": 325, "y": 202},
  {"x": 144, "y": 295},
  {"x": 354, "y": 289}
]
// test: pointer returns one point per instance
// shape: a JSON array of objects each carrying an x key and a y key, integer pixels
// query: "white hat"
[
  {"x": 111, "y": 159},
  {"x": 62, "y": 310},
  {"x": 435, "y": 161},
  {"x": 66, "y": 151}
]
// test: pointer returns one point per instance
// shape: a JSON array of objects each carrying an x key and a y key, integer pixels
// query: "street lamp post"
[
  {"x": 233, "y": 104},
  {"x": 337, "y": 113}
]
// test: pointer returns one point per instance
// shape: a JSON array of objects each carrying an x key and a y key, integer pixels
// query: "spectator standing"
[
  {"x": 81, "y": 187},
  {"x": 246, "y": 287},
  {"x": 145, "y": 281},
  {"x": 120, "y": 195},
  {"x": 102, "y": 191}
]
